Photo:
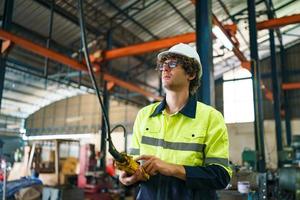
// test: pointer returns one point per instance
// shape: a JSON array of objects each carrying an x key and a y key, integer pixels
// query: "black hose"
[{"x": 112, "y": 150}]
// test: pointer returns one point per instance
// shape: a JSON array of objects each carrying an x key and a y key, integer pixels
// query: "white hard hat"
[{"x": 184, "y": 50}]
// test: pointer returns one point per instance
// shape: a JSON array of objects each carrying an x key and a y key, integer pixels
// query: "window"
[{"x": 238, "y": 96}]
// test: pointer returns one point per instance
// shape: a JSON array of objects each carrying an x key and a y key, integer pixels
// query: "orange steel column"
[
  {"x": 40, "y": 50},
  {"x": 277, "y": 22}
]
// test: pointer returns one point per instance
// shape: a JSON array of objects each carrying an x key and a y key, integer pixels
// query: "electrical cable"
[
  {"x": 124, "y": 162},
  {"x": 112, "y": 150},
  {"x": 119, "y": 126}
]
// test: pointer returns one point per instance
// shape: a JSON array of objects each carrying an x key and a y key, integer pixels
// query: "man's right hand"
[{"x": 125, "y": 179}]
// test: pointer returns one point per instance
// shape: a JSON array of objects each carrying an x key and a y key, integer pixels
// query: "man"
[{"x": 181, "y": 143}]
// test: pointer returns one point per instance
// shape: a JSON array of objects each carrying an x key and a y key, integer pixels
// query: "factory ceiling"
[{"x": 33, "y": 80}]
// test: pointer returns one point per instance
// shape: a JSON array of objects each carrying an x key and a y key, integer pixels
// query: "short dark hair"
[{"x": 190, "y": 66}]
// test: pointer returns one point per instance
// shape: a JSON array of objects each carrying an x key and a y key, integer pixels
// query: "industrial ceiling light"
[{"x": 222, "y": 37}]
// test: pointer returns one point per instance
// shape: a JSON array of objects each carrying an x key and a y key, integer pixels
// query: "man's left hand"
[{"x": 153, "y": 165}]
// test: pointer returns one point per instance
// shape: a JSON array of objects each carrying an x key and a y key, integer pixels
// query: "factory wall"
[
  {"x": 292, "y": 68},
  {"x": 79, "y": 114},
  {"x": 241, "y": 136}
]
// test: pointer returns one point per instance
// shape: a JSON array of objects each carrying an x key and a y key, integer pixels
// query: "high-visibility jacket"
[{"x": 194, "y": 137}]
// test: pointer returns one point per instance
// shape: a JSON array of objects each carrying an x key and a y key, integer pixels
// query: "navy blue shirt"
[{"x": 201, "y": 184}]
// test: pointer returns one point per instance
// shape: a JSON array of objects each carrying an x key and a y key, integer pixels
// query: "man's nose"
[{"x": 166, "y": 67}]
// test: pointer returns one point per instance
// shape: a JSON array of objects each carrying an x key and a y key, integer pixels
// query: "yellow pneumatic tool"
[
  {"x": 124, "y": 161},
  {"x": 130, "y": 166}
]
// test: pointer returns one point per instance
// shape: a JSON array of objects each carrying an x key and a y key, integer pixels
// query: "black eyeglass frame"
[{"x": 171, "y": 64}]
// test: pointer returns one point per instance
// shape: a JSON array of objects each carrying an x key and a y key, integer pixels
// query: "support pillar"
[
  {"x": 276, "y": 91},
  {"x": 287, "y": 110},
  {"x": 104, "y": 130},
  {"x": 6, "y": 25},
  {"x": 49, "y": 38},
  {"x": 257, "y": 97},
  {"x": 205, "y": 92}
]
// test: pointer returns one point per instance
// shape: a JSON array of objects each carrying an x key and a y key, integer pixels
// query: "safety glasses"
[{"x": 168, "y": 63}]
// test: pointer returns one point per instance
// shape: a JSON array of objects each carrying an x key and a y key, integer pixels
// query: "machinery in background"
[
  {"x": 66, "y": 169},
  {"x": 249, "y": 159},
  {"x": 54, "y": 161},
  {"x": 90, "y": 177},
  {"x": 246, "y": 183},
  {"x": 280, "y": 184},
  {"x": 289, "y": 173},
  {"x": 96, "y": 182}
]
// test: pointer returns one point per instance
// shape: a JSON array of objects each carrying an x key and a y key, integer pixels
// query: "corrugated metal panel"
[
  {"x": 293, "y": 63},
  {"x": 32, "y": 16},
  {"x": 162, "y": 20},
  {"x": 36, "y": 17},
  {"x": 293, "y": 70},
  {"x": 1, "y": 7},
  {"x": 42, "y": 93},
  {"x": 159, "y": 18}
]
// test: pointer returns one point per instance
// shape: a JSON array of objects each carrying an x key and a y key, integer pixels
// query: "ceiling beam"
[
  {"x": 51, "y": 54},
  {"x": 143, "y": 47},
  {"x": 278, "y": 22},
  {"x": 146, "y": 47},
  {"x": 161, "y": 44},
  {"x": 291, "y": 86}
]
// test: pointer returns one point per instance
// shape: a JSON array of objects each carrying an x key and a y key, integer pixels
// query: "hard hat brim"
[{"x": 161, "y": 54}]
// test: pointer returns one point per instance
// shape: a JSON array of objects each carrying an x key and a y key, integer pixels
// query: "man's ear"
[{"x": 191, "y": 77}]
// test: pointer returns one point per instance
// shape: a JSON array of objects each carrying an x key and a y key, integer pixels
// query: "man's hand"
[
  {"x": 125, "y": 179},
  {"x": 153, "y": 165}
]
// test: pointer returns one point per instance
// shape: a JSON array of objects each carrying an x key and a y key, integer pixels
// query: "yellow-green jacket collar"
[{"x": 188, "y": 110}]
